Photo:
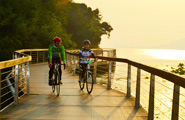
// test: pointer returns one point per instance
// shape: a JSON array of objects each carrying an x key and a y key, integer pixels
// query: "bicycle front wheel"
[
  {"x": 89, "y": 84},
  {"x": 53, "y": 86},
  {"x": 53, "y": 83},
  {"x": 58, "y": 84}
]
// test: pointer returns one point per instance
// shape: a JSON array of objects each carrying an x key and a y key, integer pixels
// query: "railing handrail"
[
  {"x": 178, "y": 80},
  {"x": 10, "y": 63},
  {"x": 28, "y": 50}
]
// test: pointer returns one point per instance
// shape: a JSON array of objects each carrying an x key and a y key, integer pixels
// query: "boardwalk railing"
[
  {"x": 15, "y": 73},
  {"x": 14, "y": 79},
  {"x": 174, "y": 79},
  {"x": 14, "y": 83}
]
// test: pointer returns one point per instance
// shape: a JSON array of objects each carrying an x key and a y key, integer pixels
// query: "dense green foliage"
[
  {"x": 179, "y": 70},
  {"x": 33, "y": 24}
]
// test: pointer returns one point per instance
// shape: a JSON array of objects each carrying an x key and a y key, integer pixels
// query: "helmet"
[
  {"x": 87, "y": 42},
  {"x": 57, "y": 39}
]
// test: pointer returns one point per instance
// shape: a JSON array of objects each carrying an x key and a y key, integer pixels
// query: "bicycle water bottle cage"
[{"x": 89, "y": 61}]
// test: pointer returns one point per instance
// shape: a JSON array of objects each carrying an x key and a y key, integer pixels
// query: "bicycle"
[
  {"x": 88, "y": 79},
  {"x": 56, "y": 79}
]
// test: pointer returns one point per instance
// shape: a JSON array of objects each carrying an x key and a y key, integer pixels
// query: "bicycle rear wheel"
[
  {"x": 81, "y": 81},
  {"x": 89, "y": 82}
]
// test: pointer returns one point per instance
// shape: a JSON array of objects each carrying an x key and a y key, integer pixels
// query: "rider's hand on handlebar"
[
  {"x": 96, "y": 59},
  {"x": 50, "y": 65}
]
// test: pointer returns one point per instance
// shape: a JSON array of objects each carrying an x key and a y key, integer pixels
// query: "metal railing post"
[
  {"x": 43, "y": 56},
  {"x": 28, "y": 78},
  {"x": 0, "y": 88},
  {"x": 71, "y": 63},
  {"x": 68, "y": 58},
  {"x": 23, "y": 73},
  {"x": 68, "y": 61},
  {"x": 95, "y": 71},
  {"x": 151, "y": 98},
  {"x": 102, "y": 54},
  {"x": 74, "y": 70},
  {"x": 37, "y": 56},
  {"x": 137, "y": 102},
  {"x": 16, "y": 84},
  {"x": 109, "y": 76},
  {"x": 175, "y": 106},
  {"x": 129, "y": 81},
  {"x": 15, "y": 55}
]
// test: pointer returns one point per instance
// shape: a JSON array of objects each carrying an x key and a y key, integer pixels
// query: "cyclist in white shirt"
[{"x": 84, "y": 54}]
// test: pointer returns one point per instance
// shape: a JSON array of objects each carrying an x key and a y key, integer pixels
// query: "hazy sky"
[{"x": 141, "y": 23}]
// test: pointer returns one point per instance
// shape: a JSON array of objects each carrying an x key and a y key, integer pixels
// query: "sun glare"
[{"x": 166, "y": 54}]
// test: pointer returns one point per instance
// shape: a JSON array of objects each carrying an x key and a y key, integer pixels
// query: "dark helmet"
[{"x": 87, "y": 42}]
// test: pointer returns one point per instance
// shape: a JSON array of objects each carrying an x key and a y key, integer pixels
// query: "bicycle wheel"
[
  {"x": 81, "y": 81},
  {"x": 57, "y": 83},
  {"x": 89, "y": 82}
]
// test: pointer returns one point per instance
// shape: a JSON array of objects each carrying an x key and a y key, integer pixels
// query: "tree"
[{"x": 34, "y": 23}]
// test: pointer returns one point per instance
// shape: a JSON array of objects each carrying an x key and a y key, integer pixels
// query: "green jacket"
[{"x": 57, "y": 52}]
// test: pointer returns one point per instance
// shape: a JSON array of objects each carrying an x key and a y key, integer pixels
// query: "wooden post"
[
  {"x": 151, "y": 98},
  {"x": 175, "y": 106},
  {"x": 129, "y": 81},
  {"x": 137, "y": 102},
  {"x": 109, "y": 76},
  {"x": 95, "y": 71}
]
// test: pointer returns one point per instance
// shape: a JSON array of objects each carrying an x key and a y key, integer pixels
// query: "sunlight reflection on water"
[{"x": 165, "y": 54}]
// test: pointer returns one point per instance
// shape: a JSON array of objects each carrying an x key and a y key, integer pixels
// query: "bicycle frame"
[{"x": 56, "y": 68}]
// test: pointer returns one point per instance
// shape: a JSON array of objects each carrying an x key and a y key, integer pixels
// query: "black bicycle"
[
  {"x": 56, "y": 79},
  {"x": 88, "y": 79}
]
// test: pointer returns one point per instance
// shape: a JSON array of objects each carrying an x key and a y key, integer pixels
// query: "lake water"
[{"x": 159, "y": 58}]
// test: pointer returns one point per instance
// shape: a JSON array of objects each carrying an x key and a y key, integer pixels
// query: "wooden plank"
[{"x": 72, "y": 104}]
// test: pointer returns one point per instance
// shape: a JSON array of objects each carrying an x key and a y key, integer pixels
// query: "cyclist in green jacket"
[{"x": 56, "y": 55}]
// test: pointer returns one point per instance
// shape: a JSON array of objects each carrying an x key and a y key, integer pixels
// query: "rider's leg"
[
  {"x": 50, "y": 75},
  {"x": 84, "y": 67},
  {"x": 60, "y": 69}
]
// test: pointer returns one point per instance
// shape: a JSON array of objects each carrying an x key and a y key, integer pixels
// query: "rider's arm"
[
  {"x": 80, "y": 55},
  {"x": 50, "y": 54},
  {"x": 63, "y": 53},
  {"x": 92, "y": 53}
]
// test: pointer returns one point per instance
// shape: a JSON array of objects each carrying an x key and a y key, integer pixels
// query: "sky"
[{"x": 141, "y": 23}]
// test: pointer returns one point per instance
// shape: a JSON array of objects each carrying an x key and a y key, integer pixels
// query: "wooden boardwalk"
[{"x": 72, "y": 104}]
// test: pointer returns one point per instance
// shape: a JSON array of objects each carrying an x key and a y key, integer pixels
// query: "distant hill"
[{"x": 180, "y": 44}]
